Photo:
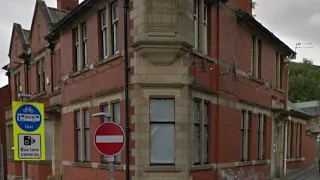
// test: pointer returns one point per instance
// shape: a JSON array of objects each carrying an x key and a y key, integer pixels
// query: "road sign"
[
  {"x": 28, "y": 129},
  {"x": 109, "y": 139}
]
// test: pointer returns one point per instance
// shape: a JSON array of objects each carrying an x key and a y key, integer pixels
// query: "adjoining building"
[{"x": 208, "y": 89}]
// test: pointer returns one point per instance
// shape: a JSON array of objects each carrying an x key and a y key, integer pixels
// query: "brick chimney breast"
[{"x": 67, "y": 5}]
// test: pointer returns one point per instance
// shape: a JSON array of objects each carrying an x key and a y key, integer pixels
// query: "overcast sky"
[{"x": 292, "y": 21}]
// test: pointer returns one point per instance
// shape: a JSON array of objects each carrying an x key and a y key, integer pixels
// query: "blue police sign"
[{"x": 28, "y": 117}]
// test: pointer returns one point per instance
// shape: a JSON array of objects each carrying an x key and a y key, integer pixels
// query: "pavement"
[{"x": 310, "y": 173}]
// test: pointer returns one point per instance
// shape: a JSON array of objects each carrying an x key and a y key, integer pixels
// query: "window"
[
  {"x": 197, "y": 141},
  {"x": 84, "y": 45},
  {"x": 76, "y": 49},
  {"x": 264, "y": 137},
  {"x": 115, "y": 27},
  {"x": 201, "y": 132},
  {"x": 78, "y": 136},
  {"x": 10, "y": 151},
  {"x": 249, "y": 134},
  {"x": 256, "y": 57},
  {"x": 289, "y": 139},
  {"x": 41, "y": 71},
  {"x": 18, "y": 84},
  {"x": 298, "y": 140},
  {"x": 162, "y": 119},
  {"x": 109, "y": 19},
  {"x": 246, "y": 122},
  {"x": 104, "y": 34},
  {"x": 206, "y": 123},
  {"x": 259, "y": 136},
  {"x": 205, "y": 29},
  {"x": 262, "y": 123},
  {"x": 43, "y": 82},
  {"x": 243, "y": 124},
  {"x": 82, "y": 135},
  {"x": 86, "y": 130},
  {"x": 200, "y": 26},
  {"x": 116, "y": 119},
  {"x": 105, "y": 108}
]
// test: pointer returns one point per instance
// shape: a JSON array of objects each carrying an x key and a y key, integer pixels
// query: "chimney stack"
[
  {"x": 67, "y": 5},
  {"x": 245, "y": 5}
]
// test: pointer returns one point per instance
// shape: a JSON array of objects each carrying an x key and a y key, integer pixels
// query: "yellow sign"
[{"x": 28, "y": 131}]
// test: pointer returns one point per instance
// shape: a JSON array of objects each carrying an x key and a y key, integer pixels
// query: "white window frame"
[
  {"x": 196, "y": 23},
  {"x": 158, "y": 124},
  {"x": 82, "y": 154},
  {"x": 197, "y": 132},
  {"x": 84, "y": 38},
  {"x": 200, "y": 21},
  {"x": 77, "y": 49},
  {"x": 262, "y": 123},
  {"x": 246, "y": 129},
  {"x": 115, "y": 27},
  {"x": 201, "y": 131},
  {"x": 104, "y": 33},
  {"x": 205, "y": 29}
]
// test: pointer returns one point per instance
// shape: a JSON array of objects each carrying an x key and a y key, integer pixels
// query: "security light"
[{"x": 101, "y": 114}]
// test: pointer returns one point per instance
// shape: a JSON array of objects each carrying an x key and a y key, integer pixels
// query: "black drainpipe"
[
  {"x": 9, "y": 81},
  {"x": 27, "y": 65},
  {"x": 126, "y": 69},
  {"x": 51, "y": 46}
]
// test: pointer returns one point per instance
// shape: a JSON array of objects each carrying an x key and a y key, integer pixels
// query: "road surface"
[{"x": 313, "y": 176}]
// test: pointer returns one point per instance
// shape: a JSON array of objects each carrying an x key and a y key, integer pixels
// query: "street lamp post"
[{"x": 111, "y": 158}]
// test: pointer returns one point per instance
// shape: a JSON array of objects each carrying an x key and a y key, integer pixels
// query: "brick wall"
[{"x": 4, "y": 103}]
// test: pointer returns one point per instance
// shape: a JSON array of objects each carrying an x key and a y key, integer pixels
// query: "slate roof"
[
  {"x": 308, "y": 104},
  {"x": 26, "y": 34},
  {"x": 56, "y": 14}
]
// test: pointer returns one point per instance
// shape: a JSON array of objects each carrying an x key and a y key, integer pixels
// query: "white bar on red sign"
[{"x": 109, "y": 139}]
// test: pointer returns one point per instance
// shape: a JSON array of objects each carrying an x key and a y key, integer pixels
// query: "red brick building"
[
  {"x": 4, "y": 103},
  {"x": 208, "y": 90}
]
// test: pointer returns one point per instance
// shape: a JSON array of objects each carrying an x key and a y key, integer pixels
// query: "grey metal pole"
[
  {"x": 23, "y": 170},
  {"x": 23, "y": 162},
  {"x": 111, "y": 159}
]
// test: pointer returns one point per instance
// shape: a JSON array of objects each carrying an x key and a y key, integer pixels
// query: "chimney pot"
[{"x": 67, "y": 5}]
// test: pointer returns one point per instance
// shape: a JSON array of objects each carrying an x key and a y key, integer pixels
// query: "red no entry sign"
[{"x": 109, "y": 138}]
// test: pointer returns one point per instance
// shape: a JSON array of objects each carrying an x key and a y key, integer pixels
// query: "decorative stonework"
[{"x": 162, "y": 15}]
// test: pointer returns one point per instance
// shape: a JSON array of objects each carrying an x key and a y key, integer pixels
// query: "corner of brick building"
[{"x": 4, "y": 103}]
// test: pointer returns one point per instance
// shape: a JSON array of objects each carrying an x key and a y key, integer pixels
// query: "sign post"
[
  {"x": 109, "y": 140},
  {"x": 28, "y": 132}
]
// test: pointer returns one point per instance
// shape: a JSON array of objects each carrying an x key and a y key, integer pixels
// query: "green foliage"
[{"x": 304, "y": 81}]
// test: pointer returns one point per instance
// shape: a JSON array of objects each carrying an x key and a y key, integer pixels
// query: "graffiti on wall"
[{"x": 241, "y": 173}]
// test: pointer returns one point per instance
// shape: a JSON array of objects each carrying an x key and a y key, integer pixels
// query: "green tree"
[{"x": 304, "y": 81}]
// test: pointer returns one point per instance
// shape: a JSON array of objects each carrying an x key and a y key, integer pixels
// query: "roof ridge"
[{"x": 53, "y": 8}]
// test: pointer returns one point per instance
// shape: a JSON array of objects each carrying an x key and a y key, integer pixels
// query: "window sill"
[
  {"x": 161, "y": 169},
  {"x": 107, "y": 166},
  {"x": 82, "y": 164},
  {"x": 295, "y": 159},
  {"x": 103, "y": 61},
  {"x": 250, "y": 163},
  {"x": 202, "y": 167},
  {"x": 79, "y": 72}
]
